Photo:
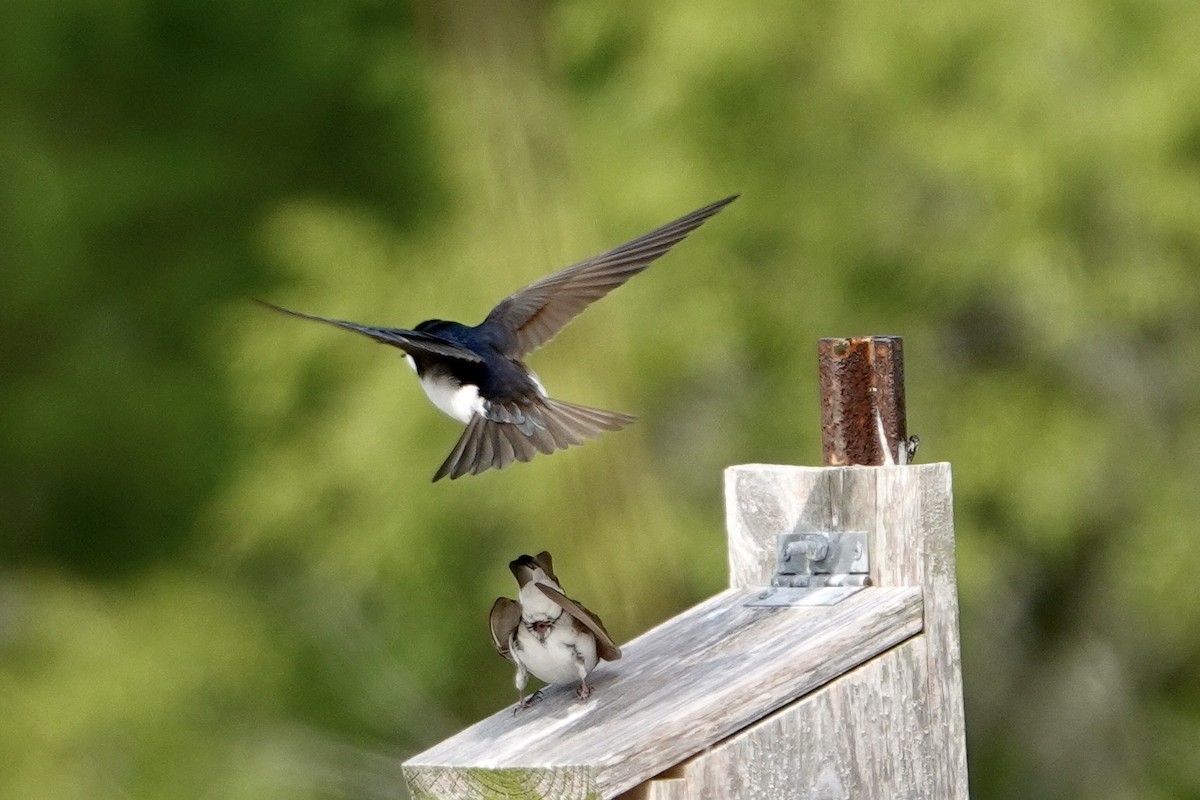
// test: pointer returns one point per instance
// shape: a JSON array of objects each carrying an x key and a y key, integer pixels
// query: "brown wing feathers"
[
  {"x": 605, "y": 646},
  {"x": 539, "y": 311}
]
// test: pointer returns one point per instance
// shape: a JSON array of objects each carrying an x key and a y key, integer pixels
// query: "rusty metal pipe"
[{"x": 863, "y": 419}]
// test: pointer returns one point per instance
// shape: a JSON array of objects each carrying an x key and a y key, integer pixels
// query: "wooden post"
[{"x": 895, "y": 726}]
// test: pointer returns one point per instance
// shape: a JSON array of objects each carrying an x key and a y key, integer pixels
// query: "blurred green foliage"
[{"x": 223, "y": 569}]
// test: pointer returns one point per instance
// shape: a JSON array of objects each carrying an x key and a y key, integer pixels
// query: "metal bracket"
[
  {"x": 822, "y": 558},
  {"x": 817, "y": 568}
]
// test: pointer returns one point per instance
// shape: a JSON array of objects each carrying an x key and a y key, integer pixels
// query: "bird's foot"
[
  {"x": 584, "y": 691},
  {"x": 526, "y": 702}
]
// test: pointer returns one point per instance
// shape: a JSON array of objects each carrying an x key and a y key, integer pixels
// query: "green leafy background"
[{"x": 224, "y": 572}]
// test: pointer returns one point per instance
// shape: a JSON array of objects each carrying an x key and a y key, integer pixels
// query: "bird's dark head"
[
  {"x": 523, "y": 569},
  {"x": 454, "y": 331},
  {"x": 526, "y": 568}
]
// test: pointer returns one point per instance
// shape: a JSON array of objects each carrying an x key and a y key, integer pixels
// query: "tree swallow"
[
  {"x": 547, "y": 633},
  {"x": 477, "y": 375}
]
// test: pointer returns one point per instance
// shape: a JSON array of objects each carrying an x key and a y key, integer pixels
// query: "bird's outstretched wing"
[
  {"x": 532, "y": 316},
  {"x": 605, "y": 646},
  {"x": 414, "y": 342},
  {"x": 513, "y": 432},
  {"x": 503, "y": 621}
]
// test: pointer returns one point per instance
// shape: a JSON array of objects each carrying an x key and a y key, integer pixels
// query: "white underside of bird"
[
  {"x": 460, "y": 401},
  {"x": 566, "y": 653}
]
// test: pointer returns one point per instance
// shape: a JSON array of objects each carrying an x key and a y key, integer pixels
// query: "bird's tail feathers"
[{"x": 520, "y": 434}]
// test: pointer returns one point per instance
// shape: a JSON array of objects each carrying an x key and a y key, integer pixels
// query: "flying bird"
[
  {"x": 477, "y": 375},
  {"x": 546, "y": 633}
]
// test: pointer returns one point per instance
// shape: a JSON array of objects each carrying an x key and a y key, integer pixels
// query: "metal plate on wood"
[
  {"x": 822, "y": 558},
  {"x": 778, "y": 596}
]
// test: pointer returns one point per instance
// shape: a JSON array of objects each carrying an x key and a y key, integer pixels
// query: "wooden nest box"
[{"x": 830, "y": 668}]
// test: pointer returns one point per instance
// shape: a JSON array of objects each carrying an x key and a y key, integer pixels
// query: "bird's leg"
[
  {"x": 526, "y": 702},
  {"x": 521, "y": 679},
  {"x": 584, "y": 691}
]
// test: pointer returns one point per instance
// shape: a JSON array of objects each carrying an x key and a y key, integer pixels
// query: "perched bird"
[
  {"x": 546, "y": 633},
  {"x": 477, "y": 375}
]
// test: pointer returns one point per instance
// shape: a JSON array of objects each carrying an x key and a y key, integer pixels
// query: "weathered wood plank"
[
  {"x": 765, "y": 500},
  {"x": 668, "y": 785},
  {"x": 667, "y": 789},
  {"x": 947, "y": 722},
  {"x": 680, "y": 688},
  {"x": 849, "y": 739},
  {"x": 908, "y": 514}
]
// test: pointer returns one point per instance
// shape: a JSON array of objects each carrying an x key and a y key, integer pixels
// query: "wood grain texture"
[
  {"x": 682, "y": 687},
  {"x": 848, "y": 740},
  {"x": 667, "y": 785},
  {"x": 500, "y": 784},
  {"x": 908, "y": 514},
  {"x": 763, "y": 501},
  {"x": 667, "y": 789}
]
